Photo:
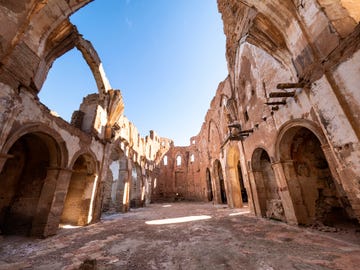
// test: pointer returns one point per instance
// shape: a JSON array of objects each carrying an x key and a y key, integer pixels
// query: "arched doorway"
[
  {"x": 78, "y": 207},
  {"x": 317, "y": 198},
  {"x": 118, "y": 176},
  {"x": 232, "y": 178},
  {"x": 244, "y": 195},
  {"x": 137, "y": 185},
  {"x": 219, "y": 175},
  {"x": 210, "y": 194},
  {"x": 22, "y": 180},
  {"x": 266, "y": 187}
]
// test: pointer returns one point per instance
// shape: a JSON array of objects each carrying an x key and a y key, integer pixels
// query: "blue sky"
[{"x": 166, "y": 56}]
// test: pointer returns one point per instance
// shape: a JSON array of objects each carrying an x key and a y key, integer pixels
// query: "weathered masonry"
[
  {"x": 53, "y": 172},
  {"x": 281, "y": 133}
]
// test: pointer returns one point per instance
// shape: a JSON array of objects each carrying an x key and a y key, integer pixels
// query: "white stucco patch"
[
  {"x": 348, "y": 77},
  {"x": 337, "y": 125}
]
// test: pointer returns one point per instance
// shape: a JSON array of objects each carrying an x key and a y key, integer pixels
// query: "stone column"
[
  {"x": 284, "y": 193},
  {"x": 51, "y": 202},
  {"x": 228, "y": 187},
  {"x": 249, "y": 184},
  {"x": 254, "y": 194},
  {"x": 127, "y": 187},
  {"x": 234, "y": 187}
]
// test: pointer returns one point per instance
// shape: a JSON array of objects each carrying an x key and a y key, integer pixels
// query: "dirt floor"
[{"x": 184, "y": 236}]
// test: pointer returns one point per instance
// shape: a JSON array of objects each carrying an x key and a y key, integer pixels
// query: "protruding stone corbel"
[{"x": 290, "y": 85}]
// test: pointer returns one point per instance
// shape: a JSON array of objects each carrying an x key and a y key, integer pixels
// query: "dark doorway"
[
  {"x": 323, "y": 201},
  {"x": 210, "y": 194},
  {"x": 80, "y": 195},
  {"x": 244, "y": 195},
  {"x": 219, "y": 174},
  {"x": 21, "y": 181}
]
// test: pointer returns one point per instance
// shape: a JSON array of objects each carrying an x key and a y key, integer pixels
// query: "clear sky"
[{"x": 166, "y": 56}]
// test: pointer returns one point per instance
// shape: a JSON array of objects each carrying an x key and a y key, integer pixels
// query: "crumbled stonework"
[{"x": 281, "y": 133}]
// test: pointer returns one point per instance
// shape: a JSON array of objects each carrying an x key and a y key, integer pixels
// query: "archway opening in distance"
[
  {"x": 218, "y": 172},
  {"x": 79, "y": 202},
  {"x": 244, "y": 195}
]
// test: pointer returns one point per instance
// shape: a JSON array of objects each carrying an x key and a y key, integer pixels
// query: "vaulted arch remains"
[
  {"x": 214, "y": 138},
  {"x": 28, "y": 182},
  {"x": 317, "y": 197},
  {"x": 80, "y": 198},
  {"x": 266, "y": 186},
  {"x": 60, "y": 82}
]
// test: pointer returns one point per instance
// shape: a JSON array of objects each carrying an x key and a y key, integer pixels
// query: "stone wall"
[
  {"x": 53, "y": 172},
  {"x": 281, "y": 134},
  {"x": 284, "y": 125}
]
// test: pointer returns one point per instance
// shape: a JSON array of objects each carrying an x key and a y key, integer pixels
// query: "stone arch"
[
  {"x": 117, "y": 181},
  {"x": 219, "y": 182},
  {"x": 214, "y": 138},
  {"x": 280, "y": 153},
  {"x": 316, "y": 195},
  {"x": 71, "y": 38},
  {"x": 266, "y": 187},
  {"x": 210, "y": 194},
  {"x": 212, "y": 123},
  {"x": 37, "y": 22},
  {"x": 35, "y": 155},
  {"x": 179, "y": 160},
  {"x": 233, "y": 183},
  {"x": 81, "y": 195},
  {"x": 137, "y": 185},
  {"x": 58, "y": 149}
]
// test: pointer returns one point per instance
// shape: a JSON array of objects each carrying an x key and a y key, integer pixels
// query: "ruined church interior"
[{"x": 271, "y": 181}]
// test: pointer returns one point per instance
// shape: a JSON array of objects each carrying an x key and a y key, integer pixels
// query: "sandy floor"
[{"x": 184, "y": 236}]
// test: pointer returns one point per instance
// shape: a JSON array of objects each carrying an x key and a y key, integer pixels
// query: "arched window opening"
[
  {"x": 165, "y": 161},
  {"x": 192, "y": 158},
  {"x": 67, "y": 84},
  {"x": 178, "y": 161}
]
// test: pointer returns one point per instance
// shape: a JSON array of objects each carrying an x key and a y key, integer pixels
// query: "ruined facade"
[
  {"x": 53, "y": 172},
  {"x": 281, "y": 134}
]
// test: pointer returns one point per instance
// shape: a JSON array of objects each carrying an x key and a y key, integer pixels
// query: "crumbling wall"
[
  {"x": 292, "y": 71},
  {"x": 72, "y": 167},
  {"x": 311, "y": 50}
]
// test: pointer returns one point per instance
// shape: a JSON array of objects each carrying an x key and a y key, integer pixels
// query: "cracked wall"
[
  {"x": 53, "y": 172},
  {"x": 287, "y": 114},
  {"x": 281, "y": 133}
]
